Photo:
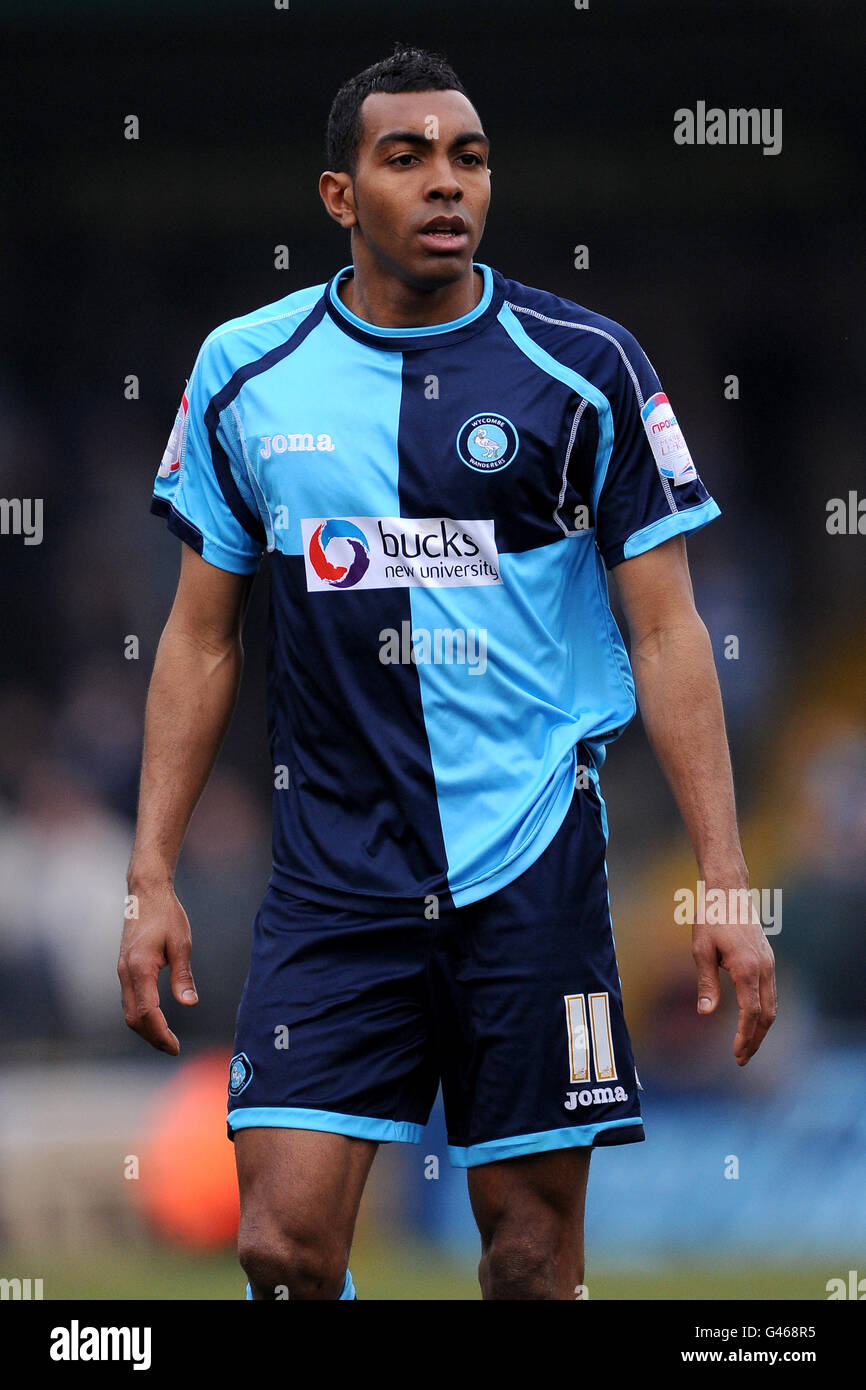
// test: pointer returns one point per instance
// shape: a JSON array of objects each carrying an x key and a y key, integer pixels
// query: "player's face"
[{"x": 422, "y": 186}]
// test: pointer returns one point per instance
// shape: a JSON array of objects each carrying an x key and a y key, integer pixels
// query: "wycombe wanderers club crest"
[
  {"x": 487, "y": 443},
  {"x": 240, "y": 1073}
]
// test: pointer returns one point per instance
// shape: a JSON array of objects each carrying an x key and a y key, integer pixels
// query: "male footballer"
[{"x": 442, "y": 465}]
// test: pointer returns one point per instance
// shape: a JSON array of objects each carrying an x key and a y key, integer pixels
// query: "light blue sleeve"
[{"x": 202, "y": 488}]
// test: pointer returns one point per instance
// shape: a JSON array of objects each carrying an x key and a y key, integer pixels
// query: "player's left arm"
[{"x": 680, "y": 702}]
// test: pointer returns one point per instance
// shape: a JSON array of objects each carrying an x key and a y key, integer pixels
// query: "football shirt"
[{"x": 439, "y": 505}]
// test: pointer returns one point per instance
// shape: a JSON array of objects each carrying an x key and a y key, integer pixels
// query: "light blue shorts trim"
[
  {"x": 328, "y": 1121},
  {"x": 572, "y": 1137}
]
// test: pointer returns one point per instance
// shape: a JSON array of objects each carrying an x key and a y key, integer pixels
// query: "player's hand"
[
  {"x": 742, "y": 949},
  {"x": 159, "y": 935}
]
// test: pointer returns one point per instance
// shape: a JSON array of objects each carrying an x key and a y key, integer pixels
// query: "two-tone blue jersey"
[{"x": 439, "y": 505}]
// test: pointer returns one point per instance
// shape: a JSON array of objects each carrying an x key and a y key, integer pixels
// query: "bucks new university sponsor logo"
[{"x": 393, "y": 552}]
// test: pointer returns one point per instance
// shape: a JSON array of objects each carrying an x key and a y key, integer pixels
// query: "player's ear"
[{"x": 336, "y": 192}]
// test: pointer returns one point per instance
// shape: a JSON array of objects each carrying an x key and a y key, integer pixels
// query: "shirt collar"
[{"x": 423, "y": 336}]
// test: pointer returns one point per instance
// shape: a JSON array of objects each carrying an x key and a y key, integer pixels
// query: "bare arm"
[
  {"x": 192, "y": 694},
  {"x": 680, "y": 701}
]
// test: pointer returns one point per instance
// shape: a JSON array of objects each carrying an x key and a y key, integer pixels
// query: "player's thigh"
[
  {"x": 542, "y": 1195},
  {"x": 301, "y": 1185}
]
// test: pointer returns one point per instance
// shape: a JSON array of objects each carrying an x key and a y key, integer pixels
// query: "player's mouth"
[{"x": 445, "y": 234}]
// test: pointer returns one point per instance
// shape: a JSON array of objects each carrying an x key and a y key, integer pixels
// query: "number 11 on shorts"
[{"x": 598, "y": 1010}]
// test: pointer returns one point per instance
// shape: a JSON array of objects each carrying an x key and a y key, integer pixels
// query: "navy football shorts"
[{"x": 349, "y": 1020}]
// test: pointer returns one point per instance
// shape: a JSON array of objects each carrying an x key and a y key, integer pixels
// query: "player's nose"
[
  {"x": 444, "y": 183},
  {"x": 448, "y": 190}
]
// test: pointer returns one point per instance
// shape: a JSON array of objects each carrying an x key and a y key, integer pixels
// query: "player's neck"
[{"x": 389, "y": 303}]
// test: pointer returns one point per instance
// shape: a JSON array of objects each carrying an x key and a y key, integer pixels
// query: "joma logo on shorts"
[
  {"x": 599, "y": 1095},
  {"x": 295, "y": 444}
]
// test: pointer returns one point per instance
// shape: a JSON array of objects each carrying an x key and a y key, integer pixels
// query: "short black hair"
[{"x": 406, "y": 70}]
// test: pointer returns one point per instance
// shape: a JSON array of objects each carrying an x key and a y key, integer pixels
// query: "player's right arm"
[{"x": 192, "y": 694}]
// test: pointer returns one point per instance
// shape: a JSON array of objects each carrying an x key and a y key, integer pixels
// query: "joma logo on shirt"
[{"x": 295, "y": 444}]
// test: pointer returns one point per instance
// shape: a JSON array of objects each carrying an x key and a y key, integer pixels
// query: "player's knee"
[
  {"x": 520, "y": 1264},
  {"x": 284, "y": 1266},
  {"x": 532, "y": 1256}
]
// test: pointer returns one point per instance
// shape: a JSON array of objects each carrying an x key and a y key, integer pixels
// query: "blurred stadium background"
[{"x": 120, "y": 257}]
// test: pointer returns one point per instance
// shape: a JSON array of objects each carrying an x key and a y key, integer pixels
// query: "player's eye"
[
  {"x": 398, "y": 157},
  {"x": 473, "y": 158}
]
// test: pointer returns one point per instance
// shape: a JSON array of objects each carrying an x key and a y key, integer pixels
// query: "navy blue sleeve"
[{"x": 646, "y": 487}]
